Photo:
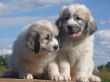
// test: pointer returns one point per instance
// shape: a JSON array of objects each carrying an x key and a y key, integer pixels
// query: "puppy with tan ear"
[
  {"x": 76, "y": 26},
  {"x": 34, "y": 51}
]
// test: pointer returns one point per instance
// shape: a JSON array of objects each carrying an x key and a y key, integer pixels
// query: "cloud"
[
  {"x": 103, "y": 37},
  {"x": 6, "y": 39},
  {"x": 6, "y": 43},
  {"x": 13, "y": 6},
  {"x": 5, "y": 51},
  {"x": 102, "y": 46},
  {"x": 105, "y": 22},
  {"x": 23, "y": 20}
]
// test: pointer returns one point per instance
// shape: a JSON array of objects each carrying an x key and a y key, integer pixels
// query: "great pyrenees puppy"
[
  {"x": 34, "y": 51},
  {"x": 76, "y": 26}
]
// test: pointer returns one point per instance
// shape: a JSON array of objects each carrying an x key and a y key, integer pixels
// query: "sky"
[{"x": 16, "y": 14}]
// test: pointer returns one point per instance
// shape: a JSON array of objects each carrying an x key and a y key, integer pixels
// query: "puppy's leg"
[
  {"x": 25, "y": 76},
  {"x": 64, "y": 67},
  {"x": 53, "y": 71},
  {"x": 83, "y": 66},
  {"x": 93, "y": 78}
]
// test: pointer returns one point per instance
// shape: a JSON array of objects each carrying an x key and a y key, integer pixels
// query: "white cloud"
[
  {"x": 50, "y": 2},
  {"x": 105, "y": 22},
  {"x": 103, "y": 37},
  {"x": 2, "y": 6},
  {"x": 5, "y": 51},
  {"x": 102, "y": 46},
  {"x": 13, "y": 6},
  {"x": 17, "y": 21},
  {"x": 6, "y": 43},
  {"x": 6, "y": 39}
]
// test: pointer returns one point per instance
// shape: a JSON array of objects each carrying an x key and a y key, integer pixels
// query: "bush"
[
  {"x": 2, "y": 69},
  {"x": 105, "y": 76}
]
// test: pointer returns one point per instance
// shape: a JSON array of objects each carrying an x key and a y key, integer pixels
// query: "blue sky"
[{"x": 15, "y": 14}]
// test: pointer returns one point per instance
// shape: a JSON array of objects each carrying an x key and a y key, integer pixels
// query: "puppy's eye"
[
  {"x": 47, "y": 37},
  {"x": 77, "y": 18}
]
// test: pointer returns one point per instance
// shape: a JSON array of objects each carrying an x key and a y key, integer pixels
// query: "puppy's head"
[
  {"x": 42, "y": 37},
  {"x": 76, "y": 19}
]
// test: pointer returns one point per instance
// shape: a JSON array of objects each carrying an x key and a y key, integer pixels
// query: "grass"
[
  {"x": 105, "y": 76},
  {"x": 2, "y": 69}
]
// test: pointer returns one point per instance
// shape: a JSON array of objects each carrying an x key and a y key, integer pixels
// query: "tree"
[
  {"x": 101, "y": 68},
  {"x": 108, "y": 66},
  {"x": 1, "y": 60},
  {"x": 4, "y": 61}
]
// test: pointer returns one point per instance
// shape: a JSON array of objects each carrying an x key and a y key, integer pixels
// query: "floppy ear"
[
  {"x": 59, "y": 41},
  {"x": 91, "y": 27},
  {"x": 59, "y": 23},
  {"x": 33, "y": 41},
  {"x": 59, "y": 20}
]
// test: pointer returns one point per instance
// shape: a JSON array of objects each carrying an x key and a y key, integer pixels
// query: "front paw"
[
  {"x": 65, "y": 78},
  {"x": 25, "y": 76},
  {"x": 82, "y": 78},
  {"x": 94, "y": 78},
  {"x": 55, "y": 76}
]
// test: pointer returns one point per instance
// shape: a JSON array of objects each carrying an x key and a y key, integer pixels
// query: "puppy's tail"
[{"x": 9, "y": 74}]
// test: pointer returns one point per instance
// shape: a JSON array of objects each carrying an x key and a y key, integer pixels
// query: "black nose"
[
  {"x": 70, "y": 27},
  {"x": 55, "y": 47}
]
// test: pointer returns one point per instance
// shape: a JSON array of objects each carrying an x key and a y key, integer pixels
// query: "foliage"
[
  {"x": 108, "y": 66},
  {"x": 101, "y": 68},
  {"x": 104, "y": 68},
  {"x": 105, "y": 76},
  {"x": 4, "y": 61},
  {"x": 2, "y": 69}
]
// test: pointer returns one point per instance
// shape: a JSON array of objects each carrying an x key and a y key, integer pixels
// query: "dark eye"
[
  {"x": 77, "y": 18},
  {"x": 47, "y": 37}
]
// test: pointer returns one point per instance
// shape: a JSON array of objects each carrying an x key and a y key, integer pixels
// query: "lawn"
[
  {"x": 2, "y": 68},
  {"x": 105, "y": 76}
]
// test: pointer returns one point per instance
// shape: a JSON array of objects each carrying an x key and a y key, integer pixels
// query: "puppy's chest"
[{"x": 74, "y": 48}]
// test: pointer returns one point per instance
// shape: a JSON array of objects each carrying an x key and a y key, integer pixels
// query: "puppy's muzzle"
[
  {"x": 73, "y": 29},
  {"x": 55, "y": 47}
]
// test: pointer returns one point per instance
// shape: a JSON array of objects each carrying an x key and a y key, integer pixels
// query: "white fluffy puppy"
[
  {"x": 34, "y": 51},
  {"x": 76, "y": 27}
]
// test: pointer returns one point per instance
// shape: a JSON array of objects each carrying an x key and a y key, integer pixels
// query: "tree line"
[{"x": 4, "y": 61}]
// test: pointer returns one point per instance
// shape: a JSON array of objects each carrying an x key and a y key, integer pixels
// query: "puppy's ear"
[
  {"x": 59, "y": 41},
  {"x": 59, "y": 20},
  {"x": 59, "y": 23},
  {"x": 91, "y": 27},
  {"x": 33, "y": 41}
]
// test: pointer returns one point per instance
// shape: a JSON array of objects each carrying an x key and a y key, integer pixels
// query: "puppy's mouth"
[
  {"x": 44, "y": 49},
  {"x": 73, "y": 34}
]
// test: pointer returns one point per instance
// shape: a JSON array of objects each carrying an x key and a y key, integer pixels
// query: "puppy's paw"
[
  {"x": 25, "y": 76},
  {"x": 65, "y": 78},
  {"x": 82, "y": 78},
  {"x": 55, "y": 76},
  {"x": 94, "y": 78}
]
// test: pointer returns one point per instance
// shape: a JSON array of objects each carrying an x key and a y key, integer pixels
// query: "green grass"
[
  {"x": 105, "y": 76},
  {"x": 2, "y": 69}
]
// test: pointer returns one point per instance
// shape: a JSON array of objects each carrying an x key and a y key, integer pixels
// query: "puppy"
[
  {"x": 76, "y": 26},
  {"x": 34, "y": 51}
]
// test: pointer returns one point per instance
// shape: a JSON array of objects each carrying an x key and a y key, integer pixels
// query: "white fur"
[
  {"x": 76, "y": 54},
  {"x": 24, "y": 62}
]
